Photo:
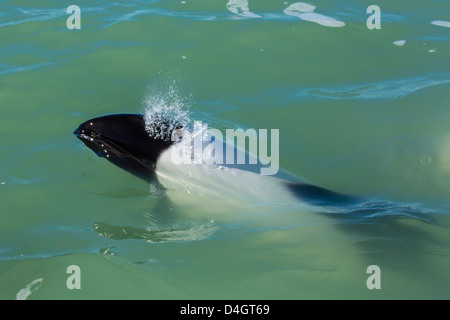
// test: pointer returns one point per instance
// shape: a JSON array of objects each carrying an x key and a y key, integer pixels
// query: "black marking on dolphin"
[
  {"x": 320, "y": 196},
  {"x": 126, "y": 141}
]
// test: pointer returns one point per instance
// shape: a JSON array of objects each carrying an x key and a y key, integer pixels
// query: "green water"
[{"x": 357, "y": 114}]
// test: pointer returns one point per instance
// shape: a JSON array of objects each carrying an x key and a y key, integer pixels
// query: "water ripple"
[{"x": 397, "y": 88}]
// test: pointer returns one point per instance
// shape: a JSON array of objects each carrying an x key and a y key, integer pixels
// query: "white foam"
[
  {"x": 321, "y": 19},
  {"x": 432, "y": 50},
  {"x": 441, "y": 23},
  {"x": 400, "y": 43},
  {"x": 240, "y": 8},
  {"x": 305, "y": 12},
  {"x": 29, "y": 289},
  {"x": 299, "y": 7}
]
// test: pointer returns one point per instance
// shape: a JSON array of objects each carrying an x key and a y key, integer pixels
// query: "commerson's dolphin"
[
  {"x": 144, "y": 146},
  {"x": 146, "y": 150}
]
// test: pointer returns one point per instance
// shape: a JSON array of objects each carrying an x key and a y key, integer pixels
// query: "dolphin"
[
  {"x": 224, "y": 192},
  {"x": 145, "y": 150}
]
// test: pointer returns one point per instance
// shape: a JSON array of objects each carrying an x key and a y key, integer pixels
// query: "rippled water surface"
[{"x": 362, "y": 112}]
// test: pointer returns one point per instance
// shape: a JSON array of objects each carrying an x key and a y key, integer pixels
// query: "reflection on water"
[{"x": 187, "y": 231}]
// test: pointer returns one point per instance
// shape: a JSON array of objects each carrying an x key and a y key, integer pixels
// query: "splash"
[{"x": 165, "y": 110}]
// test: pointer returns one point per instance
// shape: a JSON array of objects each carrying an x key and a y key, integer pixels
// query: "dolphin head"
[{"x": 129, "y": 141}]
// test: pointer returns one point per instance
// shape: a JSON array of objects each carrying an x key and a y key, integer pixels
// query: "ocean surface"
[{"x": 360, "y": 110}]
